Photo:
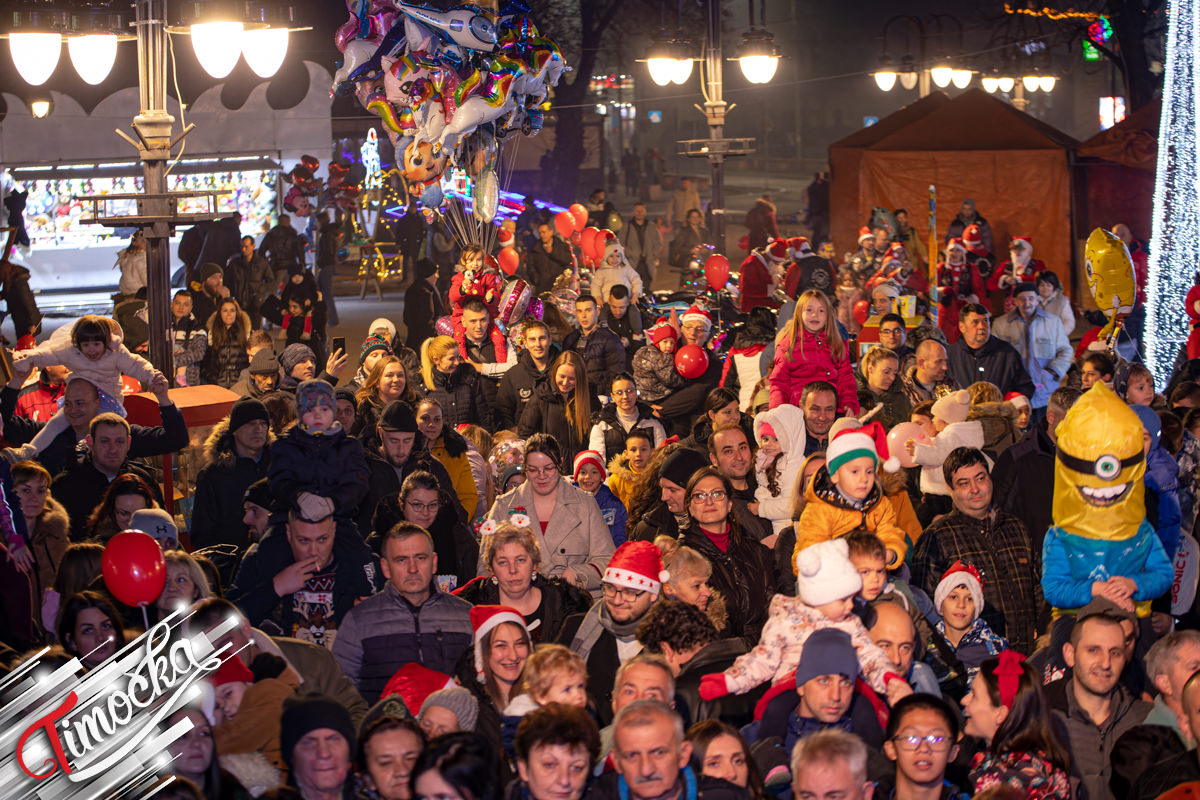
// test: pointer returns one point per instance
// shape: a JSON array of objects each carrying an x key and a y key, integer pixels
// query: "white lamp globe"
[
  {"x": 218, "y": 45},
  {"x": 265, "y": 49},
  {"x": 93, "y": 56},
  {"x": 35, "y": 55}
]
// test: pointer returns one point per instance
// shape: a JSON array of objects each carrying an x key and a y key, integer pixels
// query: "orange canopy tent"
[{"x": 1015, "y": 167}]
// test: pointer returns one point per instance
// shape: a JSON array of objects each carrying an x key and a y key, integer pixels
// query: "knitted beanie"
[
  {"x": 305, "y": 714},
  {"x": 312, "y": 393},
  {"x": 458, "y": 701},
  {"x": 589, "y": 457},
  {"x": 247, "y": 409},
  {"x": 953, "y": 407}
]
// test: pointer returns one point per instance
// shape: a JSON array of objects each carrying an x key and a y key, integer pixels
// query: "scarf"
[
  {"x": 498, "y": 340},
  {"x": 595, "y": 623},
  {"x": 288, "y": 319}
]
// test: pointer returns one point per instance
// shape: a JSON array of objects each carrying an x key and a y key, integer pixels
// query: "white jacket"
[
  {"x": 788, "y": 422},
  {"x": 605, "y": 277},
  {"x": 105, "y": 372},
  {"x": 930, "y": 456}
]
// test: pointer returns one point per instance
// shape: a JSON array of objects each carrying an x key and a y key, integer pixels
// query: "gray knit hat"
[{"x": 458, "y": 701}]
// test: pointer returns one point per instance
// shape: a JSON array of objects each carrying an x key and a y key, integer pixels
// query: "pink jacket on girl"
[{"x": 789, "y": 376}]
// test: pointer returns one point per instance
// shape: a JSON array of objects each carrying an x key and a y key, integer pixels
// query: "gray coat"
[
  {"x": 643, "y": 242},
  {"x": 575, "y": 537},
  {"x": 1090, "y": 744}
]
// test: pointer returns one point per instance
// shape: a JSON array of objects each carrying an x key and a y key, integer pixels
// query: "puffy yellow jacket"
[
  {"x": 828, "y": 516},
  {"x": 461, "y": 476}
]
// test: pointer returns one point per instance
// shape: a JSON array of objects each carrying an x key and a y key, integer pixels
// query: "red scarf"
[
  {"x": 721, "y": 540},
  {"x": 460, "y": 336},
  {"x": 287, "y": 321}
]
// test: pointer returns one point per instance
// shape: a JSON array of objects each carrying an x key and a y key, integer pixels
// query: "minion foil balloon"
[
  {"x": 1100, "y": 533},
  {"x": 1110, "y": 277}
]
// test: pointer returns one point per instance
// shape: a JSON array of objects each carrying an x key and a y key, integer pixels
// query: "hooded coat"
[
  {"x": 828, "y": 515},
  {"x": 217, "y": 500},
  {"x": 776, "y": 506}
]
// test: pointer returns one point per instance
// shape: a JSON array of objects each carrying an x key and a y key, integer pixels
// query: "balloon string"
[{"x": 145, "y": 618}]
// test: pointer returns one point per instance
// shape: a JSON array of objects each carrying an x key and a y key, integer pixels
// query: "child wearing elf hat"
[
  {"x": 959, "y": 600},
  {"x": 844, "y": 494},
  {"x": 826, "y": 584},
  {"x": 1024, "y": 411},
  {"x": 954, "y": 430},
  {"x": 590, "y": 476},
  {"x": 654, "y": 363},
  {"x": 316, "y": 465}
]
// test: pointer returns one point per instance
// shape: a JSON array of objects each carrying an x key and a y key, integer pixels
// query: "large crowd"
[{"x": 529, "y": 559}]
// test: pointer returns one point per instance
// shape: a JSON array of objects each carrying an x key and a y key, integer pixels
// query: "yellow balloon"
[
  {"x": 1099, "y": 468},
  {"x": 1109, "y": 271}
]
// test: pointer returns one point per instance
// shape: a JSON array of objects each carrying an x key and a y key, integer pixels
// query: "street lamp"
[
  {"x": 942, "y": 74},
  {"x": 758, "y": 55},
  {"x": 885, "y": 76}
]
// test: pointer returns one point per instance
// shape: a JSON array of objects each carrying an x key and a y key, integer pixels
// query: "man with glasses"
[
  {"x": 411, "y": 620},
  {"x": 894, "y": 336},
  {"x": 606, "y": 636},
  {"x": 922, "y": 738},
  {"x": 614, "y": 421}
]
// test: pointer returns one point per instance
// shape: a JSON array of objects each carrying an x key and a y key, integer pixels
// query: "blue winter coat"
[
  {"x": 614, "y": 513},
  {"x": 1162, "y": 483},
  {"x": 1071, "y": 564}
]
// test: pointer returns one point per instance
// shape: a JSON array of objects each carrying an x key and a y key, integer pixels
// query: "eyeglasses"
[
  {"x": 623, "y": 392},
  {"x": 716, "y": 496},
  {"x": 627, "y": 595},
  {"x": 936, "y": 741},
  {"x": 532, "y": 471},
  {"x": 421, "y": 508}
]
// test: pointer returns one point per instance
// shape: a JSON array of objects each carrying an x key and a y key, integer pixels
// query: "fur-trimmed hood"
[
  {"x": 619, "y": 466},
  {"x": 218, "y": 447}
]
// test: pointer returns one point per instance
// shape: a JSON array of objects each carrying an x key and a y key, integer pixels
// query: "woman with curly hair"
[{"x": 127, "y": 494}]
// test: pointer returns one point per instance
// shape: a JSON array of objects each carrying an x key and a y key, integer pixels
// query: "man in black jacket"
[
  {"x": 423, "y": 304},
  {"x": 600, "y": 348},
  {"x": 402, "y": 451},
  {"x": 81, "y": 403},
  {"x": 980, "y": 356},
  {"x": 238, "y": 454},
  {"x": 547, "y": 259},
  {"x": 250, "y": 279},
  {"x": 283, "y": 248},
  {"x": 531, "y": 371},
  {"x": 301, "y": 580}
]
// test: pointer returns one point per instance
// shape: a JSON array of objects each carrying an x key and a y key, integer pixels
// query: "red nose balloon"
[
  {"x": 133, "y": 568},
  {"x": 691, "y": 361}
]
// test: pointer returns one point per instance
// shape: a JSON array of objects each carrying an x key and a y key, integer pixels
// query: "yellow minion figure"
[{"x": 1100, "y": 543}]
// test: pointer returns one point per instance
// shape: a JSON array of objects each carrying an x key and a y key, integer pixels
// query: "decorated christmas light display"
[
  {"x": 1175, "y": 236},
  {"x": 370, "y": 161}
]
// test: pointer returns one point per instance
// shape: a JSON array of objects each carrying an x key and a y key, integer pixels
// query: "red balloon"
[
  {"x": 580, "y": 214},
  {"x": 716, "y": 272},
  {"x": 691, "y": 361},
  {"x": 509, "y": 260},
  {"x": 586, "y": 238},
  {"x": 862, "y": 310},
  {"x": 564, "y": 223},
  {"x": 576, "y": 238},
  {"x": 133, "y": 568}
]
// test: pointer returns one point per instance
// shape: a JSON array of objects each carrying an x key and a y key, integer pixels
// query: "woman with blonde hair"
[
  {"x": 511, "y": 558},
  {"x": 186, "y": 583},
  {"x": 808, "y": 349},
  {"x": 455, "y": 386},
  {"x": 562, "y": 406},
  {"x": 688, "y": 583},
  {"x": 228, "y": 332}
]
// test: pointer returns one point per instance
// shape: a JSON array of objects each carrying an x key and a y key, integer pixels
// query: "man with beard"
[
  {"x": 927, "y": 378},
  {"x": 531, "y": 371},
  {"x": 402, "y": 450},
  {"x": 1090, "y": 703},
  {"x": 606, "y": 636}
]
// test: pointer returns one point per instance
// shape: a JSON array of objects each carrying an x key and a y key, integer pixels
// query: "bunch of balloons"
[
  {"x": 305, "y": 188},
  {"x": 449, "y": 86}
]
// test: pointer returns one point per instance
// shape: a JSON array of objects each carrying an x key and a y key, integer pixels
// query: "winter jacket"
[
  {"x": 384, "y": 632},
  {"x": 621, "y": 478},
  {"x": 544, "y": 268},
  {"x": 756, "y": 284},
  {"x": 223, "y": 365},
  {"x": 1090, "y": 744},
  {"x": 1031, "y": 774},
  {"x": 451, "y": 450},
  {"x": 48, "y": 542},
  {"x": 744, "y": 575},
  {"x": 1043, "y": 347},
  {"x": 655, "y": 374},
  {"x": 1060, "y": 306},
  {"x": 811, "y": 361},
  {"x": 998, "y": 421},
  {"x": 559, "y": 601},
  {"x": 1023, "y": 482},
  {"x": 896, "y": 406},
  {"x": 931, "y": 456},
  {"x": 716, "y": 656},
  {"x": 250, "y": 284},
  {"x": 517, "y": 388},
  {"x": 809, "y": 272},
  {"x": 1072, "y": 563},
  {"x": 828, "y": 515},
  {"x": 575, "y": 534},
  {"x": 607, "y": 436},
  {"x": 423, "y": 305},
  {"x": 190, "y": 343},
  {"x": 642, "y": 241},
  {"x": 918, "y": 393},
  {"x": 81, "y": 487},
  {"x": 104, "y": 373},
  {"x": 329, "y": 464},
  {"x": 253, "y": 589},
  {"x": 604, "y": 277},
  {"x": 611, "y": 786},
  {"x": 283, "y": 247},
  {"x": 307, "y": 329},
  {"x": 548, "y": 412},
  {"x": 779, "y": 648},
  {"x": 603, "y": 354},
  {"x": 255, "y": 727},
  {"x": 742, "y": 369},
  {"x": 461, "y": 396},
  {"x": 614, "y": 513},
  {"x": 996, "y": 362},
  {"x": 1162, "y": 485},
  {"x": 788, "y": 423},
  {"x": 217, "y": 498}
]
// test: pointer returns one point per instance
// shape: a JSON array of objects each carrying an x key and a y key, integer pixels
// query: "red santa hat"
[
  {"x": 1021, "y": 241},
  {"x": 660, "y": 331},
  {"x": 799, "y": 246},
  {"x": 484, "y": 619},
  {"x": 637, "y": 565},
  {"x": 697, "y": 314},
  {"x": 589, "y": 457},
  {"x": 869, "y": 441},
  {"x": 505, "y": 238},
  {"x": 414, "y": 683},
  {"x": 232, "y": 670},
  {"x": 897, "y": 252},
  {"x": 960, "y": 574},
  {"x": 972, "y": 239},
  {"x": 956, "y": 244},
  {"x": 1017, "y": 399},
  {"x": 777, "y": 250},
  {"x": 864, "y": 233}
]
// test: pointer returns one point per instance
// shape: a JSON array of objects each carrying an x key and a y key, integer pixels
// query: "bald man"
[
  {"x": 928, "y": 378},
  {"x": 892, "y": 629}
]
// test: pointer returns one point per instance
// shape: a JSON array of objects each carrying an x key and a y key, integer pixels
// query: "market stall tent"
[
  {"x": 1015, "y": 167},
  {"x": 1114, "y": 174}
]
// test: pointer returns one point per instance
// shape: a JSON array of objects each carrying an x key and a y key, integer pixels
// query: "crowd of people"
[{"x": 529, "y": 559}]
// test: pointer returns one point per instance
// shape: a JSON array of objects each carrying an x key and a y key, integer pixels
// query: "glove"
[
  {"x": 713, "y": 686},
  {"x": 313, "y": 507}
]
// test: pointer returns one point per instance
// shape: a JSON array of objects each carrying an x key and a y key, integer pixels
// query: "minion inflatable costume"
[{"x": 1100, "y": 530}]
